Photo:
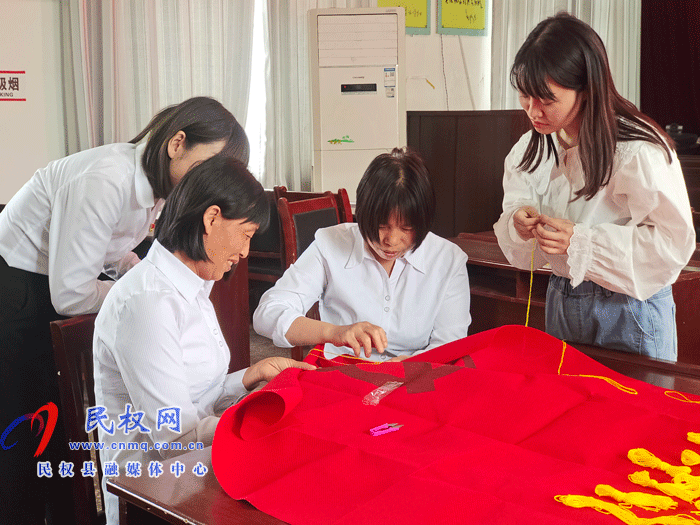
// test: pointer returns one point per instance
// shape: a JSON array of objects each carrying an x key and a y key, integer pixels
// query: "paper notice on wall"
[{"x": 13, "y": 86}]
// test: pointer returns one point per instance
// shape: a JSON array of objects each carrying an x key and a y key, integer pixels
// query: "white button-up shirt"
[
  {"x": 77, "y": 217},
  {"x": 634, "y": 236},
  {"x": 423, "y": 304},
  {"x": 158, "y": 344}
]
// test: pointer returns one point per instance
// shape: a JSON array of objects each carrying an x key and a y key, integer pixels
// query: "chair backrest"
[
  {"x": 341, "y": 198},
  {"x": 72, "y": 347},
  {"x": 268, "y": 242},
  {"x": 265, "y": 255},
  {"x": 301, "y": 219}
]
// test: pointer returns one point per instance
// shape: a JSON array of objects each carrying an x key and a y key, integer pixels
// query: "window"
[{"x": 255, "y": 122}]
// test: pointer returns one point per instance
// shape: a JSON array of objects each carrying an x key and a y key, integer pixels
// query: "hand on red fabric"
[
  {"x": 268, "y": 368},
  {"x": 554, "y": 235},
  {"x": 525, "y": 220},
  {"x": 359, "y": 336}
]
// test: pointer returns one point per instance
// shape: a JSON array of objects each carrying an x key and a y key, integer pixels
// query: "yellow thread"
[
  {"x": 687, "y": 481},
  {"x": 650, "y": 502},
  {"x": 625, "y": 389},
  {"x": 612, "y": 382},
  {"x": 693, "y": 437},
  {"x": 690, "y": 457},
  {"x": 679, "y": 396},
  {"x": 675, "y": 490},
  {"x": 561, "y": 362},
  {"x": 624, "y": 515},
  {"x": 532, "y": 273},
  {"x": 644, "y": 458}
]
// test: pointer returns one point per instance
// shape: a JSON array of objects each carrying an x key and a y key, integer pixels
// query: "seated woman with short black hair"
[
  {"x": 157, "y": 340},
  {"x": 385, "y": 283}
]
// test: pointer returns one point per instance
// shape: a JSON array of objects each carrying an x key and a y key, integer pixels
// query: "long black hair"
[
  {"x": 567, "y": 51},
  {"x": 203, "y": 120}
]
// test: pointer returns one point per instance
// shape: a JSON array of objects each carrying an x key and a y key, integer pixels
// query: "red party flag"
[{"x": 492, "y": 428}]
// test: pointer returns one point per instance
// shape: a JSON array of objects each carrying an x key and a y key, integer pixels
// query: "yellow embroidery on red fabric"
[
  {"x": 650, "y": 502},
  {"x": 690, "y": 457},
  {"x": 612, "y": 382},
  {"x": 621, "y": 513},
  {"x": 678, "y": 489},
  {"x": 644, "y": 458},
  {"x": 684, "y": 486},
  {"x": 680, "y": 396}
]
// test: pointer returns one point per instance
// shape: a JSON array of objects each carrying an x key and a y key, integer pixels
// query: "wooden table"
[
  {"x": 499, "y": 293},
  {"x": 186, "y": 499},
  {"x": 200, "y": 500}
]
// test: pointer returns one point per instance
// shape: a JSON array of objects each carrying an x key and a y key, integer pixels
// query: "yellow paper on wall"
[
  {"x": 416, "y": 10},
  {"x": 463, "y": 14}
]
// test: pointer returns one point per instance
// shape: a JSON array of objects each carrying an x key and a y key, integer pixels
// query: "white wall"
[
  {"x": 32, "y": 132},
  {"x": 426, "y": 59}
]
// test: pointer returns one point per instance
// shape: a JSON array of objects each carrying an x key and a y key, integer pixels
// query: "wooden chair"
[
  {"x": 72, "y": 347},
  {"x": 229, "y": 295},
  {"x": 265, "y": 263},
  {"x": 265, "y": 255},
  {"x": 341, "y": 198},
  {"x": 299, "y": 221}
]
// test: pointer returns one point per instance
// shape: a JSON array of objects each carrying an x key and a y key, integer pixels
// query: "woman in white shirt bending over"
[
  {"x": 158, "y": 344},
  {"x": 81, "y": 216},
  {"x": 385, "y": 283},
  {"x": 598, "y": 187}
]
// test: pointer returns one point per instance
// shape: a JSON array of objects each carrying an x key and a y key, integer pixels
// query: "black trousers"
[{"x": 28, "y": 381}]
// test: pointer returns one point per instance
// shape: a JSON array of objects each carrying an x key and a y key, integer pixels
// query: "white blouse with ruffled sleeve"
[{"x": 634, "y": 236}]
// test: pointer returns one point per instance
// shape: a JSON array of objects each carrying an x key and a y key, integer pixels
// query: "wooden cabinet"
[
  {"x": 464, "y": 152},
  {"x": 691, "y": 172},
  {"x": 499, "y": 293}
]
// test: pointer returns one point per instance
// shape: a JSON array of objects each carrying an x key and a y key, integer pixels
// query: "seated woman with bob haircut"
[
  {"x": 157, "y": 342},
  {"x": 385, "y": 282}
]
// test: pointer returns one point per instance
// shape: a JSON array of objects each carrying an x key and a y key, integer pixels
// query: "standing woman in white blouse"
[
  {"x": 599, "y": 188},
  {"x": 80, "y": 216},
  {"x": 385, "y": 282}
]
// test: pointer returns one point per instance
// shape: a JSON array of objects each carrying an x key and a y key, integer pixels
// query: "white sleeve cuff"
[
  {"x": 116, "y": 270},
  {"x": 515, "y": 238},
  {"x": 580, "y": 253},
  {"x": 279, "y": 338},
  {"x": 233, "y": 391}
]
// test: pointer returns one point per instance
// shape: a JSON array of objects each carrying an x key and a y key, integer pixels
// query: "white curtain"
[
  {"x": 127, "y": 59},
  {"x": 618, "y": 22},
  {"x": 289, "y": 147}
]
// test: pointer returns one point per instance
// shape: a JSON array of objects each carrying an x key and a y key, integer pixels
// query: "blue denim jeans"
[{"x": 591, "y": 314}]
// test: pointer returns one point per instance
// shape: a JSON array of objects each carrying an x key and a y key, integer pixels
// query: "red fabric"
[{"x": 490, "y": 444}]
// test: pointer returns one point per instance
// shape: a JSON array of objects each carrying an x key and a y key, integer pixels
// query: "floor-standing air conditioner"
[{"x": 358, "y": 91}]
